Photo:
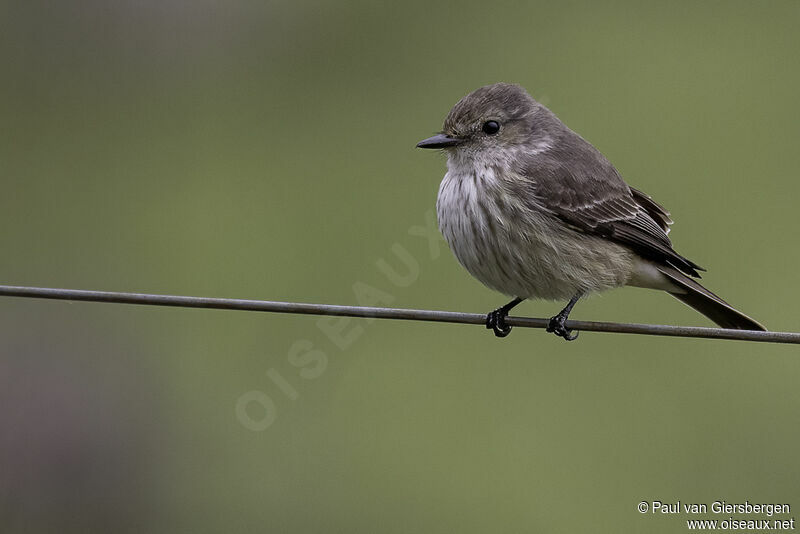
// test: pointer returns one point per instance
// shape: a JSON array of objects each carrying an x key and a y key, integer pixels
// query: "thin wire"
[{"x": 389, "y": 313}]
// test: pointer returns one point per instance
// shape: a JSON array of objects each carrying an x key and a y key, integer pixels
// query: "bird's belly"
[{"x": 516, "y": 250}]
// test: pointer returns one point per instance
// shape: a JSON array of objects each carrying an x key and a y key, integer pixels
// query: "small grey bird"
[{"x": 533, "y": 210}]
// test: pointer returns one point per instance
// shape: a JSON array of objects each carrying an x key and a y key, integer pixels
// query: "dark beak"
[{"x": 439, "y": 141}]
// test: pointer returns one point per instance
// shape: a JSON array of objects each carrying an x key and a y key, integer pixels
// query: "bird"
[{"x": 534, "y": 211}]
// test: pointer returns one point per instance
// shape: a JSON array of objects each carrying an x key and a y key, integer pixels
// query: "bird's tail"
[{"x": 707, "y": 303}]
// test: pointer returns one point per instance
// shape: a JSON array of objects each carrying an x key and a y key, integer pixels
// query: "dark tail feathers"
[{"x": 707, "y": 303}]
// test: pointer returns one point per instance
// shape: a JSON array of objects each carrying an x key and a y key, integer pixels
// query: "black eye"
[{"x": 490, "y": 127}]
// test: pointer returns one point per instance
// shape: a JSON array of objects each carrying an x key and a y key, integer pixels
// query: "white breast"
[{"x": 517, "y": 249}]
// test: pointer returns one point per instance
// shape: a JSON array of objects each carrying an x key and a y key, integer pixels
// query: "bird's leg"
[
  {"x": 556, "y": 325},
  {"x": 496, "y": 320}
]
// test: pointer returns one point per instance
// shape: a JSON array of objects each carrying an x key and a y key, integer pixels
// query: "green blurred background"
[{"x": 266, "y": 150}]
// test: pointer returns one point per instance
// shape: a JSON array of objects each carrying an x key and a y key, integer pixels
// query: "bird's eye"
[{"x": 490, "y": 127}]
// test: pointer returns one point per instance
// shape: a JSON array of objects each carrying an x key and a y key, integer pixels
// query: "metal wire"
[{"x": 389, "y": 313}]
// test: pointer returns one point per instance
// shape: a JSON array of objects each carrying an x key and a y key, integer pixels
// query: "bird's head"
[{"x": 493, "y": 122}]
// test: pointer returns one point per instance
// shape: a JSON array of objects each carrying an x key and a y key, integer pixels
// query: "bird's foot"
[
  {"x": 496, "y": 321},
  {"x": 557, "y": 327}
]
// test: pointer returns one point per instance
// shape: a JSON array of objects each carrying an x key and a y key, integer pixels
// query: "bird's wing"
[
  {"x": 656, "y": 211},
  {"x": 590, "y": 196}
]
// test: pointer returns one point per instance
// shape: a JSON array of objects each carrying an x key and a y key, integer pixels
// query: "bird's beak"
[{"x": 439, "y": 141}]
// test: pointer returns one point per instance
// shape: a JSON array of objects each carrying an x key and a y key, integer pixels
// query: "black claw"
[
  {"x": 496, "y": 321},
  {"x": 557, "y": 327}
]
